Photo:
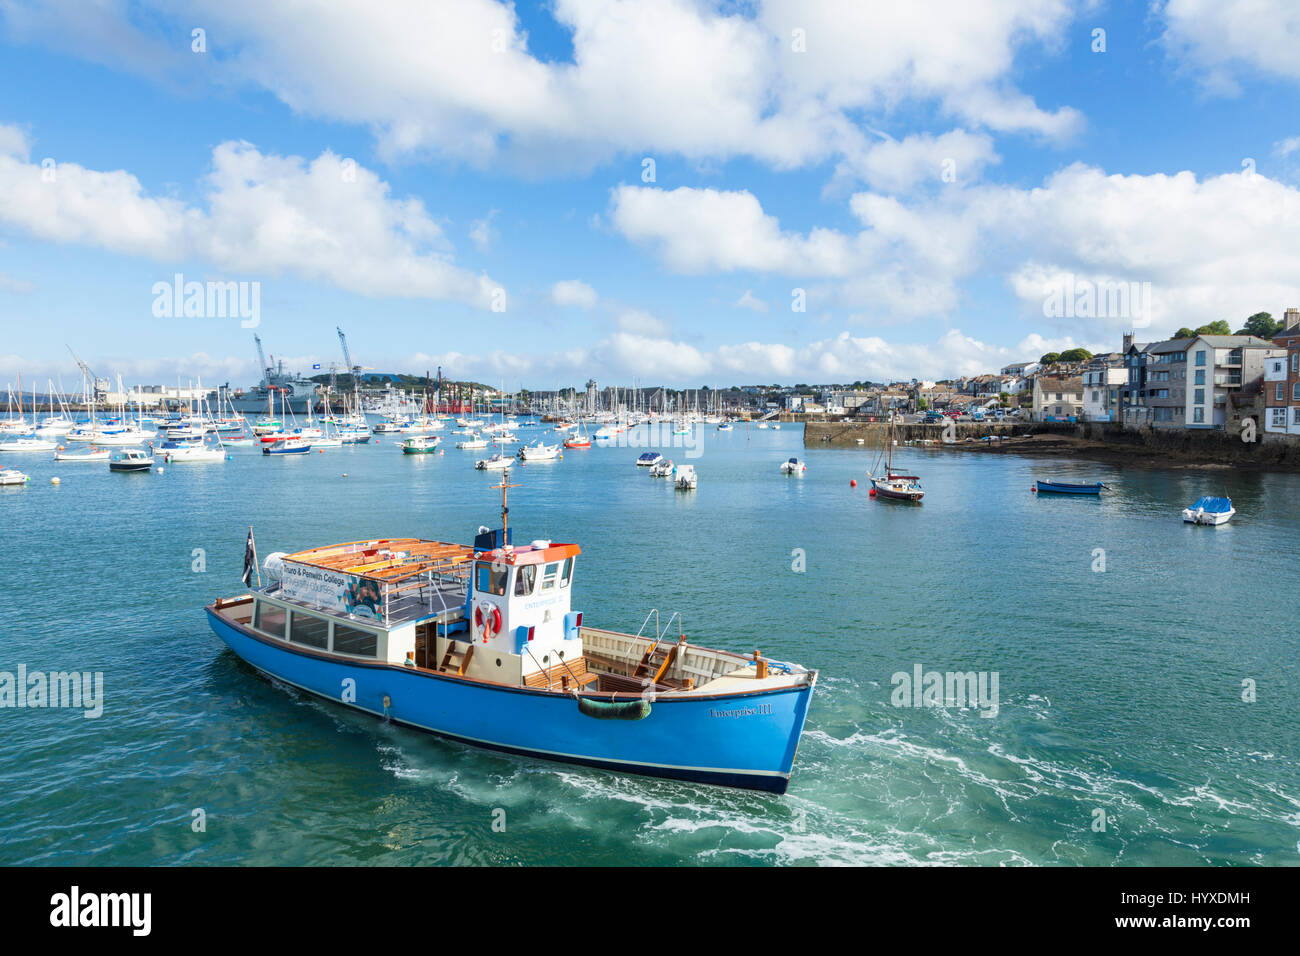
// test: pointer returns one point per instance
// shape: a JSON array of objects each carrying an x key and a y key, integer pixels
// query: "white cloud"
[
  {"x": 1223, "y": 39},
  {"x": 573, "y": 292},
  {"x": 481, "y": 233},
  {"x": 457, "y": 78},
  {"x": 701, "y": 230},
  {"x": 1210, "y": 248},
  {"x": 14, "y": 142},
  {"x": 327, "y": 219},
  {"x": 748, "y": 300},
  {"x": 639, "y": 322},
  {"x": 955, "y": 158},
  {"x": 10, "y": 284}
]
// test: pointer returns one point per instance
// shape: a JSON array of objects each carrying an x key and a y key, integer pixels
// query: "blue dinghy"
[{"x": 1066, "y": 488}]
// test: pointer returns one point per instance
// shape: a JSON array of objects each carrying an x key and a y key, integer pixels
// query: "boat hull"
[
  {"x": 1059, "y": 488},
  {"x": 740, "y": 740}
]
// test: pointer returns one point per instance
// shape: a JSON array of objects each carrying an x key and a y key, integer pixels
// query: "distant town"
[{"x": 1208, "y": 378}]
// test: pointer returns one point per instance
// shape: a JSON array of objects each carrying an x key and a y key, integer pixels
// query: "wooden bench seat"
[{"x": 574, "y": 671}]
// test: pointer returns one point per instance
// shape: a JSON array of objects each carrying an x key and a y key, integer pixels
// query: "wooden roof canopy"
[{"x": 386, "y": 559}]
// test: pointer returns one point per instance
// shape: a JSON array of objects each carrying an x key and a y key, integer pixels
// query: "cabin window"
[
  {"x": 353, "y": 640},
  {"x": 310, "y": 630},
  {"x": 270, "y": 619},
  {"x": 568, "y": 573},
  {"x": 525, "y": 580},
  {"x": 491, "y": 580},
  {"x": 551, "y": 575}
]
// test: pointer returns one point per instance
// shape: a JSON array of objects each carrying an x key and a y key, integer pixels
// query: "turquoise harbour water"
[{"x": 1119, "y": 691}]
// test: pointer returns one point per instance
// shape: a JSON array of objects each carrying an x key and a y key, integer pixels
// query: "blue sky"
[{"x": 925, "y": 175}]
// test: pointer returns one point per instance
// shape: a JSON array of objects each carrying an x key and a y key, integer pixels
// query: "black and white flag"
[{"x": 250, "y": 559}]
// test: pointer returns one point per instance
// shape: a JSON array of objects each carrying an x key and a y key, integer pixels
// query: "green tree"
[
  {"x": 1076, "y": 355},
  {"x": 1261, "y": 324},
  {"x": 922, "y": 404},
  {"x": 1218, "y": 327},
  {"x": 1005, "y": 399},
  {"x": 1051, "y": 358},
  {"x": 1185, "y": 333}
]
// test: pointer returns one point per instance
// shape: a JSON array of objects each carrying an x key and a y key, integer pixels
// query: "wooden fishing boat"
[
  {"x": 421, "y": 445},
  {"x": 481, "y": 645}
]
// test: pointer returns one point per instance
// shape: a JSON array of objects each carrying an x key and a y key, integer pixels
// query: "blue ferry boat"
[{"x": 481, "y": 645}]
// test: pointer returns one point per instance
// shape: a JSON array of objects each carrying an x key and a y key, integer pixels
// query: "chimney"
[
  {"x": 1291, "y": 319},
  {"x": 1128, "y": 342}
]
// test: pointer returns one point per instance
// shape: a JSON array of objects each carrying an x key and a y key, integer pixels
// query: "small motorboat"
[
  {"x": 95, "y": 454},
  {"x": 539, "y": 452},
  {"x": 726, "y": 427},
  {"x": 1209, "y": 510},
  {"x": 497, "y": 462},
  {"x": 577, "y": 441},
  {"x": 189, "y": 451},
  {"x": 473, "y": 443},
  {"x": 130, "y": 459},
  {"x": 29, "y": 443},
  {"x": 290, "y": 446},
  {"x": 684, "y": 478},
  {"x": 420, "y": 445},
  {"x": 793, "y": 466},
  {"x": 662, "y": 468},
  {"x": 1066, "y": 488},
  {"x": 12, "y": 476},
  {"x": 649, "y": 459}
]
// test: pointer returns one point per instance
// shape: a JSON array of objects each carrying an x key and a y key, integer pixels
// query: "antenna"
[{"x": 505, "y": 511}]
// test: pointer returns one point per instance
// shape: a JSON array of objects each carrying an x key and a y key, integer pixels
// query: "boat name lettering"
[{"x": 755, "y": 711}]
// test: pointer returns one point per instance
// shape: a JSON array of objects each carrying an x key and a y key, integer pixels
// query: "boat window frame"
[
  {"x": 524, "y": 572},
  {"x": 566, "y": 573},
  {"x": 550, "y": 576},
  {"x": 350, "y": 626},
  {"x": 483, "y": 585},
  {"x": 292, "y": 628},
  {"x": 258, "y": 607}
]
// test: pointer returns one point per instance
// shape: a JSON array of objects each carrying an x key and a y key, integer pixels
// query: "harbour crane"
[
  {"x": 261, "y": 358},
  {"x": 99, "y": 386}
]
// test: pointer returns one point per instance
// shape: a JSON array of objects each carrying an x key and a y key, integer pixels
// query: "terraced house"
[
  {"x": 1058, "y": 399},
  {"x": 1282, "y": 379},
  {"x": 1186, "y": 383}
]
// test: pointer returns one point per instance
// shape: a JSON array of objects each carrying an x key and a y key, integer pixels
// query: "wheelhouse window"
[
  {"x": 355, "y": 641},
  {"x": 567, "y": 576},
  {"x": 490, "y": 580},
  {"x": 310, "y": 630},
  {"x": 551, "y": 576},
  {"x": 270, "y": 619},
  {"x": 525, "y": 580}
]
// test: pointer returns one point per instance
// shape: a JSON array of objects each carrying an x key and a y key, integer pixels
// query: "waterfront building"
[
  {"x": 1103, "y": 377},
  {"x": 1057, "y": 399},
  {"x": 1282, "y": 379}
]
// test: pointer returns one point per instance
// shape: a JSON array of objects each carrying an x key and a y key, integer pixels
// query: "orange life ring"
[{"x": 488, "y": 619}]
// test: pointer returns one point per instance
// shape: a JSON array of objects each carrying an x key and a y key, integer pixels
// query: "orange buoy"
[
  {"x": 853, "y": 482},
  {"x": 871, "y": 493}
]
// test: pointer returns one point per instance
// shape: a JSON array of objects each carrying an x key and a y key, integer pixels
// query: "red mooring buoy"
[{"x": 853, "y": 482}]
